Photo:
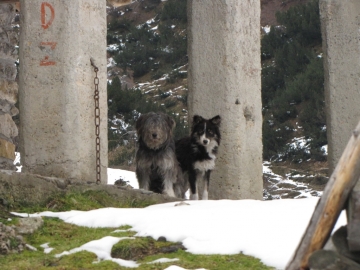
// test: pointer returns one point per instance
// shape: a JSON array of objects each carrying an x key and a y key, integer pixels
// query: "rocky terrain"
[{"x": 286, "y": 180}]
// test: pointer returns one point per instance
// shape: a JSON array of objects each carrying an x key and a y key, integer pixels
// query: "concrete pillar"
[
  {"x": 224, "y": 79},
  {"x": 58, "y": 38},
  {"x": 340, "y": 22},
  {"x": 9, "y": 38}
]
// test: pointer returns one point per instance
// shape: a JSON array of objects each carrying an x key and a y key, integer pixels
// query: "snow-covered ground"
[
  {"x": 268, "y": 230},
  {"x": 127, "y": 176}
]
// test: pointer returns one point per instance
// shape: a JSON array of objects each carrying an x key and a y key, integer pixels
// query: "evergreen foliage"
[
  {"x": 175, "y": 10},
  {"x": 145, "y": 50},
  {"x": 292, "y": 84}
]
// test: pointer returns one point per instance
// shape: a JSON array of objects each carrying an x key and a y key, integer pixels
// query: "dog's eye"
[
  {"x": 201, "y": 132},
  {"x": 210, "y": 131}
]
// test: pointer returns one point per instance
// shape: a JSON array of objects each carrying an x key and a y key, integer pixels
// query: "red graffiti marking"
[
  {"x": 51, "y": 44},
  {"x": 45, "y": 61},
  {"x": 45, "y": 24}
]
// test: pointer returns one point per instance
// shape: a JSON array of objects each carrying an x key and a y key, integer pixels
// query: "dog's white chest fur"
[{"x": 205, "y": 165}]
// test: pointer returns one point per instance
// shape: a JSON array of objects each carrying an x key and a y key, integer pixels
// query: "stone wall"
[{"x": 9, "y": 37}]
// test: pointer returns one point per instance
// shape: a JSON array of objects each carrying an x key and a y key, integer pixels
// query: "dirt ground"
[{"x": 270, "y": 7}]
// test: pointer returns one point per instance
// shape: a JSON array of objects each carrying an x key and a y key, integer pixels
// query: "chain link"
[{"x": 97, "y": 124}]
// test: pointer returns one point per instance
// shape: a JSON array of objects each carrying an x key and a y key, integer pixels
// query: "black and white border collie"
[{"x": 197, "y": 153}]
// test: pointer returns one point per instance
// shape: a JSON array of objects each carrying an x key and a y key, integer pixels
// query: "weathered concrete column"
[
  {"x": 224, "y": 78},
  {"x": 58, "y": 38},
  {"x": 340, "y": 22}
]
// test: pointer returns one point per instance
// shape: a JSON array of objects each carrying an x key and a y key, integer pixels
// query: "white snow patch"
[
  {"x": 266, "y": 29},
  {"x": 164, "y": 260},
  {"x": 46, "y": 248},
  {"x": 286, "y": 219}
]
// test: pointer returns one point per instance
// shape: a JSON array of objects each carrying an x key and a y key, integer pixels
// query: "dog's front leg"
[
  {"x": 143, "y": 176},
  {"x": 168, "y": 183},
  {"x": 193, "y": 188},
  {"x": 206, "y": 185},
  {"x": 169, "y": 189},
  {"x": 168, "y": 171}
]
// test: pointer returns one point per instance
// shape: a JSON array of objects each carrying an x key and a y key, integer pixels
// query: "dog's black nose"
[
  {"x": 154, "y": 135},
  {"x": 205, "y": 142}
]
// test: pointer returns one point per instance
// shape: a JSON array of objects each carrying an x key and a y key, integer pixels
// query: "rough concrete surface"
[
  {"x": 56, "y": 93},
  {"x": 224, "y": 78},
  {"x": 341, "y": 45}
]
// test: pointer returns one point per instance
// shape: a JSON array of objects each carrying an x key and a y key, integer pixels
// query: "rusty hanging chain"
[{"x": 97, "y": 122}]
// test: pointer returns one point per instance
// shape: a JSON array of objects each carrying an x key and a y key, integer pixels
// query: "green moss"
[
  {"x": 218, "y": 262},
  {"x": 84, "y": 201}
]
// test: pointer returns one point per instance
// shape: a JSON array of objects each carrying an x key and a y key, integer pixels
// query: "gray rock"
[
  {"x": 10, "y": 242},
  {"x": 340, "y": 241},
  {"x": 9, "y": 90},
  {"x": 330, "y": 260},
  {"x": 29, "y": 225},
  {"x": 162, "y": 239},
  {"x": 7, "y": 126},
  {"x": 5, "y": 106}
]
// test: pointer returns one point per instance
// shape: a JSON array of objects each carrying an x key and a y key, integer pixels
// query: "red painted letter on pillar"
[
  {"x": 46, "y": 61},
  {"x": 44, "y": 22}
]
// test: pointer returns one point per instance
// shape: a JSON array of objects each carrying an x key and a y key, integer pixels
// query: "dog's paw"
[{"x": 205, "y": 195}]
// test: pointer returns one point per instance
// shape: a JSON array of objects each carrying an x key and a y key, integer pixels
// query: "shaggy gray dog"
[{"x": 157, "y": 168}]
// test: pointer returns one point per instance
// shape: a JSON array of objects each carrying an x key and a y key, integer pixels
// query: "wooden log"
[
  {"x": 327, "y": 211},
  {"x": 353, "y": 214}
]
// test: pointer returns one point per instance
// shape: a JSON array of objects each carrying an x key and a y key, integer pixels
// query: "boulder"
[
  {"x": 330, "y": 260},
  {"x": 340, "y": 240},
  {"x": 29, "y": 189},
  {"x": 29, "y": 225},
  {"x": 7, "y": 126},
  {"x": 8, "y": 90}
]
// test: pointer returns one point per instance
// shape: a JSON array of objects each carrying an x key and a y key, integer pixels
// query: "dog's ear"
[
  {"x": 197, "y": 119},
  {"x": 216, "y": 120},
  {"x": 140, "y": 122},
  {"x": 171, "y": 122}
]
